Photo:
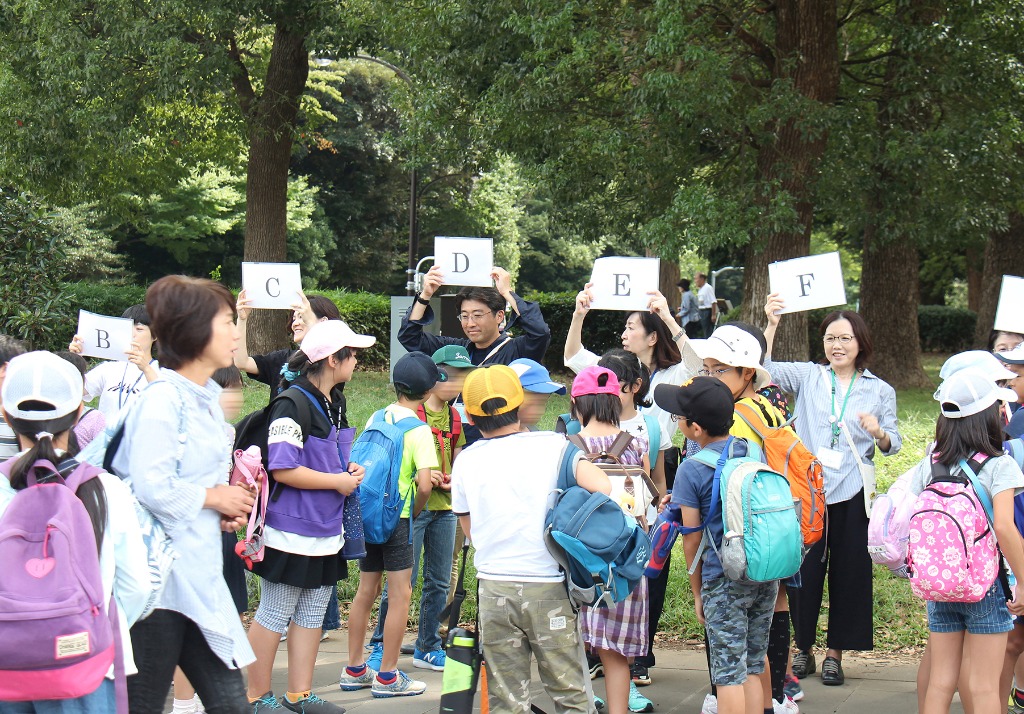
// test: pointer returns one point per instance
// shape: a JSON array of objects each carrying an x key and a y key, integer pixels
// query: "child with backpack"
[
  {"x": 969, "y": 608},
  {"x": 411, "y": 473},
  {"x": 434, "y": 530},
  {"x": 500, "y": 486},
  {"x": 310, "y": 478},
  {"x": 618, "y": 633},
  {"x": 83, "y": 547},
  {"x": 737, "y": 615}
]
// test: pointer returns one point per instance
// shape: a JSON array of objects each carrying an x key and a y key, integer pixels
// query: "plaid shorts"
[{"x": 621, "y": 628}]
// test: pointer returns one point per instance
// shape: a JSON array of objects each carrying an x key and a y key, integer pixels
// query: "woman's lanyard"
[
  {"x": 835, "y": 422},
  {"x": 121, "y": 399}
]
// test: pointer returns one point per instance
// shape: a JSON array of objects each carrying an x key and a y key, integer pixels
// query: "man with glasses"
[{"x": 481, "y": 312}]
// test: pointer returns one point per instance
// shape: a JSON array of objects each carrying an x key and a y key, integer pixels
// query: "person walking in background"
[
  {"x": 707, "y": 304},
  {"x": 689, "y": 314}
]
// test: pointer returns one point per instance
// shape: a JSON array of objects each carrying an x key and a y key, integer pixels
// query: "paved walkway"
[{"x": 873, "y": 686}]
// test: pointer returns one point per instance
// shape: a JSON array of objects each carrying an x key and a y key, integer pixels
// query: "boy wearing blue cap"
[{"x": 537, "y": 390}]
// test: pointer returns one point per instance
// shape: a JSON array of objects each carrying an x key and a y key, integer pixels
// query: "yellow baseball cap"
[{"x": 497, "y": 381}]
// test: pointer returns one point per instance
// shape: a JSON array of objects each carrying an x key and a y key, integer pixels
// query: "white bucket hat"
[{"x": 732, "y": 346}]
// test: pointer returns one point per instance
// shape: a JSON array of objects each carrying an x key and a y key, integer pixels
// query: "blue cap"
[{"x": 534, "y": 377}]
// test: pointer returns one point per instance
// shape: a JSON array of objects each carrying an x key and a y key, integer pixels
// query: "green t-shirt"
[{"x": 441, "y": 500}]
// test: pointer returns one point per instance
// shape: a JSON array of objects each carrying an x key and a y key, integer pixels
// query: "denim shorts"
[
  {"x": 101, "y": 701},
  {"x": 738, "y": 617},
  {"x": 989, "y": 616}
]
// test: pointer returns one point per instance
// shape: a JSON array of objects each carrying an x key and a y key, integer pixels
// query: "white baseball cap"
[
  {"x": 731, "y": 346},
  {"x": 325, "y": 338},
  {"x": 41, "y": 379},
  {"x": 979, "y": 360},
  {"x": 968, "y": 392}
]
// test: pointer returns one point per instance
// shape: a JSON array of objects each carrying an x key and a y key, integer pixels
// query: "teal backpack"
[
  {"x": 565, "y": 424},
  {"x": 762, "y": 539}
]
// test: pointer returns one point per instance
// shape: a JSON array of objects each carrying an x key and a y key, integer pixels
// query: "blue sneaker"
[
  {"x": 376, "y": 655},
  {"x": 429, "y": 660},
  {"x": 637, "y": 701},
  {"x": 353, "y": 682},
  {"x": 402, "y": 686},
  {"x": 265, "y": 703}
]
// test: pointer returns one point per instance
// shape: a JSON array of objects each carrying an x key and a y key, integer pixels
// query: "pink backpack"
[
  {"x": 248, "y": 470},
  {"x": 58, "y": 639},
  {"x": 953, "y": 555},
  {"x": 889, "y": 525}
]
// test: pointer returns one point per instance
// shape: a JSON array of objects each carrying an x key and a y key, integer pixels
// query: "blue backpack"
[
  {"x": 379, "y": 450},
  {"x": 762, "y": 539},
  {"x": 601, "y": 550}
]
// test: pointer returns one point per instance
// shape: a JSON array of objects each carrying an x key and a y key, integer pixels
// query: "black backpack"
[{"x": 252, "y": 430}]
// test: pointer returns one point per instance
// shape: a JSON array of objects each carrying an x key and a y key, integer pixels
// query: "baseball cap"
[
  {"x": 496, "y": 381},
  {"x": 534, "y": 377},
  {"x": 979, "y": 360},
  {"x": 969, "y": 392},
  {"x": 453, "y": 356},
  {"x": 1014, "y": 356},
  {"x": 415, "y": 373},
  {"x": 704, "y": 400},
  {"x": 732, "y": 346},
  {"x": 43, "y": 378},
  {"x": 325, "y": 338},
  {"x": 589, "y": 381}
]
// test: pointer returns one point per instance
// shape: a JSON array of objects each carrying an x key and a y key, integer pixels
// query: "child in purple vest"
[{"x": 310, "y": 477}]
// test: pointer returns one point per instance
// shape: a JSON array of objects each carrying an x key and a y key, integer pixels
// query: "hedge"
[{"x": 943, "y": 329}]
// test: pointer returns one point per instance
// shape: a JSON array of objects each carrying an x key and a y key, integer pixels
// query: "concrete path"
[{"x": 873, "y": 685}]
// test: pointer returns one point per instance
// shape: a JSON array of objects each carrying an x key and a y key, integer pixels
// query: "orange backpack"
[{"x": 786, "y": 453}]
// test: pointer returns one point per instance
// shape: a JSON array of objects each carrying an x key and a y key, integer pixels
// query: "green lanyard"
[{"x": 836, "y": 423}]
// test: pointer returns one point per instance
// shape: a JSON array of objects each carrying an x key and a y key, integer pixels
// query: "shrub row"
[{"x": 943, "y": 329}]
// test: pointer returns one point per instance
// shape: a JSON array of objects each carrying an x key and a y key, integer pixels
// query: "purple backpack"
[{"x": 58, "y": 641}]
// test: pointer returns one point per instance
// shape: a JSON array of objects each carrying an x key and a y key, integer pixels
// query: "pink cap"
[
  {"x": 325, "y": 338},
  {"x": 595, "y": 380}
]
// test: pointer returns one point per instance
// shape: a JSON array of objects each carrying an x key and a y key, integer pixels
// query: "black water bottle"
[{"x": 461, "y": 673}]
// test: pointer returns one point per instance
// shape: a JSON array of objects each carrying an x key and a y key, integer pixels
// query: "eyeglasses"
[
  {"x": 714, "y": 372},
  {"x": 472, "y": 316},
  {"x": 843, "y": 339}
]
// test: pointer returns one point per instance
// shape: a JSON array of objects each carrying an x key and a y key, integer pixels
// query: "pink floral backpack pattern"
[{"x": 953, "y": 555}]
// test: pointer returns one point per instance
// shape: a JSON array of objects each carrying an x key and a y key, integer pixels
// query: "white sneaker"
[
  {"x": 710, "y": 705},
  {"x": 786, "y": 706}
]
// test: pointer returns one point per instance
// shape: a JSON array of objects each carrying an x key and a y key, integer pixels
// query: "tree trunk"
[
  {"x": 271, "y": 123},
  {"x": 806, "y": 54},
  {"x": 1004, "y": 255},
  {"x": 667, "y": 280}
]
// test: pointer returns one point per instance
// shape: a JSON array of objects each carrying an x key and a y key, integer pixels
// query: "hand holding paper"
[
  {"x": 271, "y": 286},
  {"x": 1009, "y": 315},
  {"x": 102, "y": 336},
  {"x": 465, "y": 261}
]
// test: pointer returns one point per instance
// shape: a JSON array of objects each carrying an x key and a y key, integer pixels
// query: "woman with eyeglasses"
[{"x": 843, "y": 412}]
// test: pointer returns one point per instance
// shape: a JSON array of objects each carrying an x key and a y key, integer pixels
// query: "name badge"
[{"x": 830, "y": 459}]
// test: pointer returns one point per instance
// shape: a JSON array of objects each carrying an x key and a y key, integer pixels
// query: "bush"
[
  {"x": 104, "y": 298},
  {"x": 945, "y": 329},
  {"x": 601, "y": 332},
  {"x": 367, "y": 314}
]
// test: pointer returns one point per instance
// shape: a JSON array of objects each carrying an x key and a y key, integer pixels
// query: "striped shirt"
[
  {"x": 811, "y": 385},
  {"x": 149, "y": 454},
  {"x": 8, "y": 440}
]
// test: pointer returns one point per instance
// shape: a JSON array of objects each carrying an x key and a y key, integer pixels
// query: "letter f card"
[
  {"x": 465, "y": 261},
  {"x": 105, "y": 337},
  {"x": 623, "y": 283},
  {"x": 272, "y": 286},
  {"x": 808, "y": 283}
]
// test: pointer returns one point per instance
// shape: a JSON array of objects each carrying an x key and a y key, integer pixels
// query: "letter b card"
[
  {"x": 808, "y": 283},
  {"x": 622, "y": 283},
  {"x": 104, "y": 337}
]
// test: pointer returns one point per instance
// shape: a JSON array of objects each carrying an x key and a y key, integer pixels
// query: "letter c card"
[{"x": 272, "y": 286}]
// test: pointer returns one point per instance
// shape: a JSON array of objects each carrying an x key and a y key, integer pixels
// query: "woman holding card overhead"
[{"x": 843, "y": 412}]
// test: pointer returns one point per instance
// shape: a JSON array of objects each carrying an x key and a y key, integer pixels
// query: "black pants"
[
  {"x": 166, "y": 639},
  {"x": 694, "y": 330},
  {"x": 848, "y": 566}
]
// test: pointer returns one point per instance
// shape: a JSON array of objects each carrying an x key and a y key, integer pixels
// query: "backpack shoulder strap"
[
  {"x": 301, "y": 405},
  {"x": 979, "y": 489},
  {"x": 752, "y": 419},
  {"x": 456, "y": 424},
  {"x": 653, "y": 437},
  {"x": 577, "y": 441},
  {"x": 567, "y": 467},
  {"x": 622, "y": 441},
  {"x": 82, "y": 473}
]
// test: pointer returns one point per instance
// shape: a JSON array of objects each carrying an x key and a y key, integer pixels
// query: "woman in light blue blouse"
[
  {"x": 175, "y": 452},
  {"x": 839, "y": 404}
]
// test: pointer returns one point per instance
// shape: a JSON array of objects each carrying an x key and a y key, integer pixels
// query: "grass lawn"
[{"x": 900, "y": 621}]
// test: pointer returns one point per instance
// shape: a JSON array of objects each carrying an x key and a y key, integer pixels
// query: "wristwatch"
[{"x": 421, "y": 301}]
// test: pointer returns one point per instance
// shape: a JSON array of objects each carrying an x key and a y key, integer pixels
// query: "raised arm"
[
  {"x": 771, "y": 308},
  {"x": 658, "y": 304},
  {"x": 536, "y": 335},
  {"x": 242, "y": 359},
  {"x": 574, "y": 340}
]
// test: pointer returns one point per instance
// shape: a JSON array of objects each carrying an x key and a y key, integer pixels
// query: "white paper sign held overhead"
[
  {"x": 465, "y": 261},
  {"x": 622, "y": 283},
  {"x": 105, "y": 337},
  {"x": 808, "y": 283},
  {"x": 272, "y": 286},
  {"x": 1010, "y": 311}
]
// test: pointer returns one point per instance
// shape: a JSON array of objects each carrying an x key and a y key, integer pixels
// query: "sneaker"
[
  {"x": 637, "y": 701},
  {"x": 188, "y": 706},
  {"x": 639, "y": 674},
  {"x": 786, "y": 706},
  {"x": 429, "y": 660},
  {"x": 265, "y": 703},
  {"x": 792, "y": 689},
  {"x": 599, "y": 703},
  {"x": 407, "y": 649},
  {"x": 324, "y": 634},
  {"x": 376, "y": 655},
  {"x": 596, "y": 667},
  {"x": 1016, "y": 704},
  {"x": 804, "y": 664},
  {"x": 710, "y": 705},
  {"x": 312, "y": 705},
  {"x": 352, "y": 682},
  {"x": 832, "y": 672},
  {"x": 403, "y": 686}
]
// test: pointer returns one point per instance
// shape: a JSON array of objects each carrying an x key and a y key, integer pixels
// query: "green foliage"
[
  {"x": 103, "y": 298},
  {"x": 945, "y": 329},
  {"x": 32, "y": 264},
  {"x": 601, "y": 332}
]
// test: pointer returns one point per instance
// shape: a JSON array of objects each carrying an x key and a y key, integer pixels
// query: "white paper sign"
[
  {"x": 105, "y": 337},
  {"x": 1010, "y": 312},
  {"x": 623, "y": 283},
  {"x": 808, "y": 283},
  {"x": 271, "y": 286},
  {"x": 465, "y": 261}
]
